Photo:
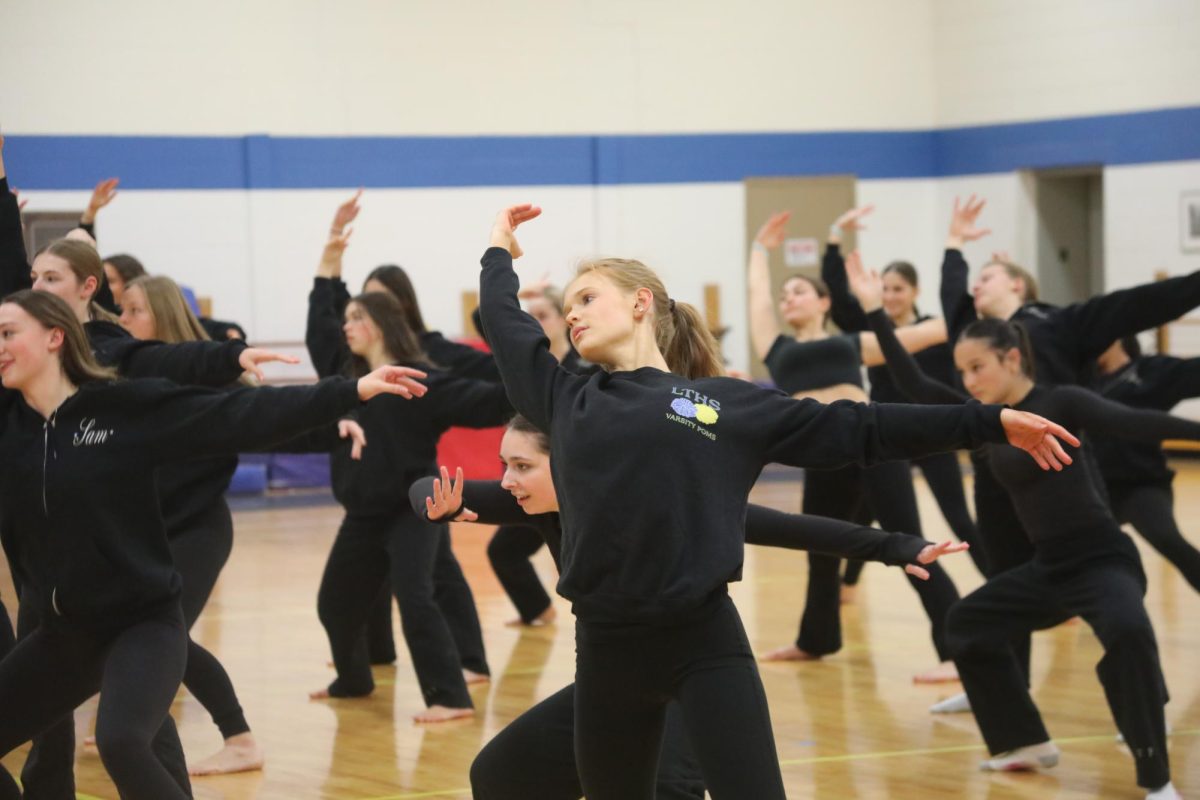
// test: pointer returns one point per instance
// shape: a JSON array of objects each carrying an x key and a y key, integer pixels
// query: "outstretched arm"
[
  {"x": 913, "y": 338},
  {"x": 764, "y": 327},
  {"x": 1098, "y": 414},
  {"x": 1096, "y": 323}
]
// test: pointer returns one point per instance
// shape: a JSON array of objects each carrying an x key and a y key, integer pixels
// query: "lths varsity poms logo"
[{"x": 690, "y": 405}]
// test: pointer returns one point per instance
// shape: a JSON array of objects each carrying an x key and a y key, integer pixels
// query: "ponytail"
[{"x": 680, "y": 332}]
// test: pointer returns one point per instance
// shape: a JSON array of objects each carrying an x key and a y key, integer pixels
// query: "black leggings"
[
  {"x": 944, "y": 476},
  {"x": 137, "y": 671},
  {"x": 893, "y": 501},
  {"x": 428, "y": 583},
  {"x": 534, "y": 756},
  {"x": 625, "y": 676},
  {"x": 509, "y": 551},
  {"x": 381, "y": 644},
  {"x": 201, "y": 548},
  {"x": 1151, "y": 511},
  {"x": 1105, "y": 586}
]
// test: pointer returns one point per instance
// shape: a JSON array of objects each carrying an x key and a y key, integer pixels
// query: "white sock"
[
  {"x": 1165, "y": 793},
  {"x": 956, "y": 704}
]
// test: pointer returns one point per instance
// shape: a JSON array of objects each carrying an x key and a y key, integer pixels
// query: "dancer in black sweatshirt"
[
  {"x": 533, "y": 756},
  {"x": 813, "y": 363},
  {"x": 380, "y": 541},
  {"x": 327, "y": 350},
  {"x": 900, "y": 289},
  {"x": 653, "y": 469},
  {"x": 86, "y": 545},
  {"x": 1136, "y": 473},
  {"x": 1083, "y": 564}
]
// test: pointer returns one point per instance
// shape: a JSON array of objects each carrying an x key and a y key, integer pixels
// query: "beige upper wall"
[
  {"x": 1013, "y": 60},
  {"x": 440, "y": 67}
]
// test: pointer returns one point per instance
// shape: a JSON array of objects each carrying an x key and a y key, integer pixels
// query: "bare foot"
[
  {"x": 945, "y": 672},
  {"x": 319, "y": 694},
  {"x": 475, "y": 677},
  {"x": 848, "y": 594},
  {"x": 789, "y": 653},
  {"x": 544, "y": 618},
  {"x": 241, "y": 753},
  {"x": 443, "y": 714}
]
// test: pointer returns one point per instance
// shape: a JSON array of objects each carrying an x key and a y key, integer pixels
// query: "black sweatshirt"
[
  {"x": 329, "y": 353},
  {"x": 79, "y": 514},
  {"x": 1068, "y": 339},
  {"x": 653, "y": 470},
  {"x": 1158, "y": 382},
  {"x": 847, "y": 314},
  {"x": 765, "y": 526},
  {"x": 1050, "y": 505}
]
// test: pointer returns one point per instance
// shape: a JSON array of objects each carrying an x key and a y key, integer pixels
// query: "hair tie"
[{"x": 671, "y": 305}]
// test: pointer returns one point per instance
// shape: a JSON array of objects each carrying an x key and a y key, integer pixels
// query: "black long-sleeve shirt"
[
  {"x": 402, "y": 437},
  {"x": 79, "y": 514},
  {"x": 653, "y": 470},
  {"x": 1050, "y": 505},
  {"x": 494, "y": 505},
  {"x": 1067, "y": 340},
  {"x": 847, "y": 314},
  {"x": 1158, "y": 382},
  {"x": 329, "y": 353}
]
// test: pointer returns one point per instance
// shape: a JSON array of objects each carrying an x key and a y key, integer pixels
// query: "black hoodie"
[{"x": 79, "y": 515}]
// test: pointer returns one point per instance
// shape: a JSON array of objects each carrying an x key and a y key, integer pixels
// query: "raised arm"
[
  {"x": 764, "y": 326},
  {"x": 867, "y": 287},
  {"x": 14, "y": 262},
  {"x": 1097, "y": 414},
  {"x": 323, "y": 331},
  {"x": 522, "y": 352},
  {"x": 958, "y": 307},
  {"x": 104, "y": 193},
  {"x": 843, "y": 309}
]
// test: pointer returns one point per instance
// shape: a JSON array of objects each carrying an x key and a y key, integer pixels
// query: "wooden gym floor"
[{"x": 852, "y": 726}]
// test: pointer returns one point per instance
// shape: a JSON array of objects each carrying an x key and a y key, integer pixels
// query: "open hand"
[
  {"x": 930, "y": 554},
  {"x": 771, "y": 234},
  {"x": 1039, "y": 437},
  {"x": 390, "y": 379},
  {"x": 447, "y": 499},
  {"x": 252, "y": 357},
  {"x": 102, "y": 195},
  {"x": 852, "y": 219},
  {"x": 346, "y": 213},
  {"x": 962, "y": 221},
  {"x": 506, "y": 224},
  {"x": 865, "y": 284}
]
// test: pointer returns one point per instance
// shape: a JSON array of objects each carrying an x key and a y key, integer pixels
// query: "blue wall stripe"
[{"x": 279, "y": 162}]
